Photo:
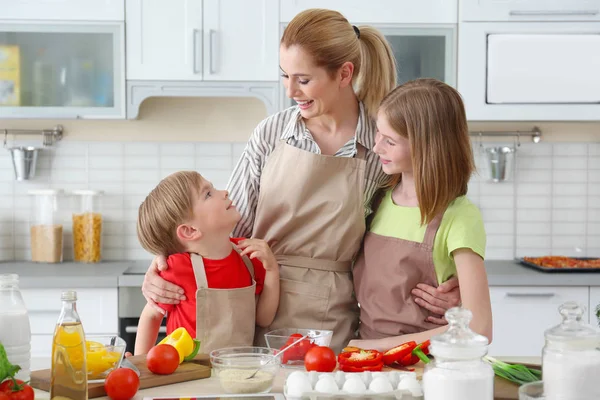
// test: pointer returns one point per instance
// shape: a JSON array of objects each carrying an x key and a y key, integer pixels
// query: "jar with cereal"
[
  {"x": 45, "y": 229},
  {"x": 87, "y": 227}
]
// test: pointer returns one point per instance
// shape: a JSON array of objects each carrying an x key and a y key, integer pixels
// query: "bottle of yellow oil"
[{"x": 68, "y": 378}]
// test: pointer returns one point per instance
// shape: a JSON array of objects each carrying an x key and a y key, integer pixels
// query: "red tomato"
[
  {"x": 26, "y": 393},
  {"x": 162, "y": 359},
  {"x": 320, "y": 359},
  {"x": 3, "y": 396},
  {"x": 121, "y": 384}
]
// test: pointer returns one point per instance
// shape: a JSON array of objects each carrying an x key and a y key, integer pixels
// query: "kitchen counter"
[
  {"x": 210, "y": 386},
  {"x": 131, "y": 274}
]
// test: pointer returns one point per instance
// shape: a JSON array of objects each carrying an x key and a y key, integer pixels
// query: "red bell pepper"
[
  {"x": 398, "y": 353},
  {"x": 350, "y": 368},
  {"x": 419, "y": 353},
  {"x": 361, "y": 360}
]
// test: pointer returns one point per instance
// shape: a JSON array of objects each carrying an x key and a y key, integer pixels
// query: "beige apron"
[
  {"x": 224, "y": 317},
  {"x": 311, "y": 212},
  {"x": 386, "y": 271}
]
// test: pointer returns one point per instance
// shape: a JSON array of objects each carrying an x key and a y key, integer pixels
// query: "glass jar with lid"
[
  {"x": 571, "y": 357},
  {"x": 45, "y": 229},
  {"x": 87, "y": 227},
  {"x": 458, "y": 371}
]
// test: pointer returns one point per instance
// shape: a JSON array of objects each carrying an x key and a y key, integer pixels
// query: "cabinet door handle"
[
  {"x": 197, "y": 54},
  {"x": 538, "y": 295},
  {"x": 540, "y": 13},
  {"x": 134, "y": 329},
  {"x": 212, "y": 60}
]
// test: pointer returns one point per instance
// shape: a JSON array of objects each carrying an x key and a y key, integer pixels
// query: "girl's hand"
[
  {"x": 258, "y": 248},
  {"x": 438, "y": 300},
  {"x": 156, "y": 289}
]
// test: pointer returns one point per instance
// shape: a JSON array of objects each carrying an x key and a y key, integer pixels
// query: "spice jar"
[
  {"x": 458, "y": 371},
  {"x": 87, "y": 227},
  {"x": 45, "y": 231},
  {"x": 571, "y": 357}
]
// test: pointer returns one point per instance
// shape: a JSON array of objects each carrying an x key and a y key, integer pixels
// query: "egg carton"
[{"x": 393, "y": 385}]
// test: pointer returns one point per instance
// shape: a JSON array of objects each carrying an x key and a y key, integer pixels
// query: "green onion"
[{"x": 515, "y": 373}]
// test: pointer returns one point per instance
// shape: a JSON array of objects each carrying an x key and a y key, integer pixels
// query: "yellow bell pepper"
[{"x": 183, "y": 343}]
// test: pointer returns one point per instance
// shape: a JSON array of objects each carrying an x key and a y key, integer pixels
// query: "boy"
[{"x": 230, "y": 284}]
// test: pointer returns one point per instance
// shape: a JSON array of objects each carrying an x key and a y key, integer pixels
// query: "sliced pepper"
[
  {"x": 408, "y": 360},
  {"x": 418, "y": 353},
  {"x": 361, "y": 358},
  {"x": 183, "y": 343},
  {"x": 398, "y": 353},
  {"x": 350, "y": 349},
  {"x": 351, "y": 368}
]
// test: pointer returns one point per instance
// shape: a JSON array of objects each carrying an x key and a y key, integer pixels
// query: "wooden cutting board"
[{"x": 198, "y": 368}]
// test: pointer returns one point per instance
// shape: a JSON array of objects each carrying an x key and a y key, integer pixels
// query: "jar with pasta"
[
  {"x": 45, "y": 228},
  {"x": 87, "y": 227}
]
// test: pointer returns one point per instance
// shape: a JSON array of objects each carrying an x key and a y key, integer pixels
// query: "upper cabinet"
[
  {"x": 61, "y": 69},
  {"x": 384, "y": 12},
  {"x": 63, "y": 10},
  {"x": 202, "y": 40},
  {"x": 530, "y": 10}
]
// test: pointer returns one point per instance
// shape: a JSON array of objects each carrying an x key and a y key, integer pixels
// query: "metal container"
[
  {"x": 24, "y": 161},
  {"x": 500, "y": 162}
]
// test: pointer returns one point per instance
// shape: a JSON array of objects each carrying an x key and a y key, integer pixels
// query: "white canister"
[
  {"x": 458, "y": 371},
  {"x": 571, "y": 357}
]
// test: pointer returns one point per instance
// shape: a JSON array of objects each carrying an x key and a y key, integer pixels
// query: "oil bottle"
[{"x": 68, "y": 378}]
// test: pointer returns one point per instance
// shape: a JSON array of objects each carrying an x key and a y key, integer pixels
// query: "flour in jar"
[
  {"x": 457, "y": 385},
  {"x": 572, "y": 377},
  {"x": 235, "y": 381}
]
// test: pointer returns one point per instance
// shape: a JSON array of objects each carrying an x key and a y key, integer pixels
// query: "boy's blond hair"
[{"x": 167, "y": 206}]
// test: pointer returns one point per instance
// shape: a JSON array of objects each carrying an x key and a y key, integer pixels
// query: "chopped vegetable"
[
  {"x": 361, "y": 360},
  {"x": 398, "y": 353},
  {"x": 7, "y": 370},
  {"x": 183, "y": 343},
  {"x": 351, "y": 349},
  {"x": 515, "y": 373}
]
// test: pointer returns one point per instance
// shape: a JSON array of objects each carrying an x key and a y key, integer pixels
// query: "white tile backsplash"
[{"x": 550, "y": 206}]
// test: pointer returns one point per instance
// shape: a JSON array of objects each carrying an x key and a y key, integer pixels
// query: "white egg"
[
  {"x": 411, "y": 384},
  {"x": 297, "y": 383},
  {"x": 380, "y": 384},
  {"x": 313, "y": 377},
  {"x": 340, "y": 378},
  {"x": 354, "y": 386},
  {"x": 326, "y": 385}
]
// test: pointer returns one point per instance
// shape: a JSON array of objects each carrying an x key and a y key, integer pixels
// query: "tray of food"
[{"x": 562, "y": 263}]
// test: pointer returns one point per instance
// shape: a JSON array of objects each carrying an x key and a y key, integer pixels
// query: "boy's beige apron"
[
  {"x": 224, "y": 317},
  {"x": 385, "y": 272},
  {"x": 311, "y": 212}
]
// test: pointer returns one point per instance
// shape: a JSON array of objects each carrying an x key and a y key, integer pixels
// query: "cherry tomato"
[
  {"x": 26, "y": 392},
  {"x": 320, "y": 359},
  {"x": 121, "y": 384},
  {"x": 162, "y": 359}
]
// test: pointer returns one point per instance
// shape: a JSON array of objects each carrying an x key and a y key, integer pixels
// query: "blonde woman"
[
  {"x": 424, "y": 229},
  {"x": 307, "y": 176}
]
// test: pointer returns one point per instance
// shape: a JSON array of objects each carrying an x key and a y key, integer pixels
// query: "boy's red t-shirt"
[{"x": 228, "y": 273}]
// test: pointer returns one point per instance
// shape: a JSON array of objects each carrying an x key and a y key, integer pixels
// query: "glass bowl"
[
  {"x": 280, "y": 338},
  {"x": 234, "y": 365},
  {"x": 104, "y": 353},
  {"x": 532, "y": 391}
]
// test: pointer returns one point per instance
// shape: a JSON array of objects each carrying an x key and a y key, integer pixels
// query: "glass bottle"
[
  {"x": 68, "y": 378},
  {"x": 13, "y": 314},
  {"x": 571, "y": 357},
  {"x": 458, "y": 371}
]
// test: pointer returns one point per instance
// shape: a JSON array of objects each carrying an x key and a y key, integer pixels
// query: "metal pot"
[
  {"x": 500, "y": 162},
  {"x": 24, "y": 161}
]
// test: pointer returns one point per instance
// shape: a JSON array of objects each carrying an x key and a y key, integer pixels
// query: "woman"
[{"x": 307, "y": 176}]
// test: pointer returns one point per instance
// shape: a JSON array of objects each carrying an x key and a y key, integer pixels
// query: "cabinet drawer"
[
  {"x": 521, "y": 315},
  {"x": 97, "y": 308}
]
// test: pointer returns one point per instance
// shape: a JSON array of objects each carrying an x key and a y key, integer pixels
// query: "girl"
[{"x": 425, "y": 229}]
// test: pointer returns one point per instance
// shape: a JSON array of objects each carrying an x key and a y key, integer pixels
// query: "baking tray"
[{"x": 559, "y": 270}]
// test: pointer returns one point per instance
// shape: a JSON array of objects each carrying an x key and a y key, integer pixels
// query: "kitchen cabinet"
[
  {"x": 521, "y": 314},
  {"x": 202, "y": 40},
  {"x": 530, "y": 71},
  {"x": 594, "y": 303},
  {"x": 97, "y": 308},
  {"x": 386, "y": 11},
  {"x": 529, "y": 10},
  {"x": 66, "y": 69},
  {"x": 63, "y": 10}
]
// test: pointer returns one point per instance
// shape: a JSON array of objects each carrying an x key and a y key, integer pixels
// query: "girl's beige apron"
[
  {"x": 224, "y": 317},
  {"x": 311, "y": 212},
  {"x": 385, "y": 272}
]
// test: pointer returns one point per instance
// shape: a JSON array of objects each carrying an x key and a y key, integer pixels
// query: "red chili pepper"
[
  {"x": 362, "y": 358},
  {"x": 398, "y": 353},
  {"x": 351, "y": 368}
]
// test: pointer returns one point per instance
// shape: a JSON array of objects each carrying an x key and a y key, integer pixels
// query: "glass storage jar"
[
  {"x": 458, "y": 371},
  {"x": 45, "y": 230},
  {"x": 571, "y": 357},
  {"x": 87, "y": 227}
]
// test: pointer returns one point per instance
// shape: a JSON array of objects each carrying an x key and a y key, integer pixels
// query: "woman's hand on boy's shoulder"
[{"x": 259, "y": 249}]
